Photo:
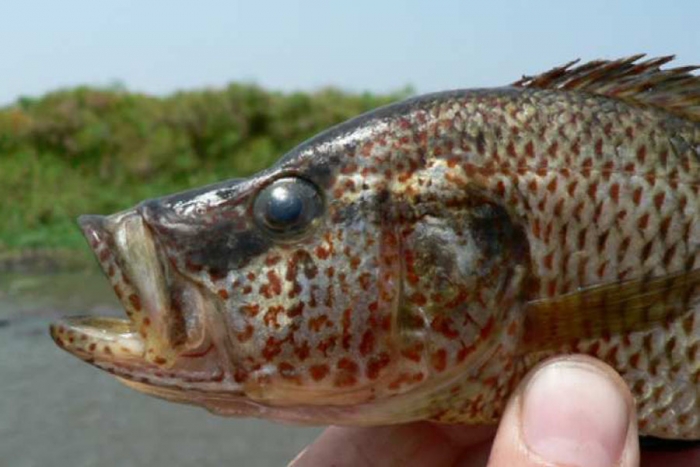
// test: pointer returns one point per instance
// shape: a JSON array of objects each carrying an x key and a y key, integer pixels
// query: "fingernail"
[{"x": 574, "y": 414}]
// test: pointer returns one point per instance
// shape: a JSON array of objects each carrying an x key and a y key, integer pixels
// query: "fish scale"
[
  {"x": 594, "y": 196},
  {"x": 586, "y": 215},
  {"x": 454, "y": 241}
]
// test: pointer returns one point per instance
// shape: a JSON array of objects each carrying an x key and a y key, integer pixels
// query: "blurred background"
[{"x": 103, "y": 104}]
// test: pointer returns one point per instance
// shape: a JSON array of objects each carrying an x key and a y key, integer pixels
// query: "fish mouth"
[{"x": 163, "y": 339}]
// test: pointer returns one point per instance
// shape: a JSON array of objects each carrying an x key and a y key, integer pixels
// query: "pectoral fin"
[{"x": 609, "y": 309}]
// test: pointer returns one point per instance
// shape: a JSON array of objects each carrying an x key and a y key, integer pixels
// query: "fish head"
[
  {"x": 275, "y": 291},
  {"x": 330, "y": 288}
]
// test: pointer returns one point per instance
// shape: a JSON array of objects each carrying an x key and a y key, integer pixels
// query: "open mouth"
[{"x": 164, "y": 322}]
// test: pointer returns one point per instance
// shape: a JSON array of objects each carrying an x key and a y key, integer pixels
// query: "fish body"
[{"x": 415, "y": 262}]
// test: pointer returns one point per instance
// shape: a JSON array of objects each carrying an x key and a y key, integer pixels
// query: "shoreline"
[{"x": 45, "y": 260}]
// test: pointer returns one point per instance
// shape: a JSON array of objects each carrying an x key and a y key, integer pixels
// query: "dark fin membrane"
[
  {"x": 675, "y": 90},
  {"x": 609, "y": 309},
  {"x": 649, "y": 443}
]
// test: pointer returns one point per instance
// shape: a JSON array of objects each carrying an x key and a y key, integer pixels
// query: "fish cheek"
[
  {"x": 310, "y": 321},
  {"x": 465, "y": 269}
]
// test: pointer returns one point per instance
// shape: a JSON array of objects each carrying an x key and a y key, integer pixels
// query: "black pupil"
[{"x": 285, "y": 206}]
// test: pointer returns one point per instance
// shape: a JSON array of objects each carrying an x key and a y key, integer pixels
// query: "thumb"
[{"x": 573, "y": 411}]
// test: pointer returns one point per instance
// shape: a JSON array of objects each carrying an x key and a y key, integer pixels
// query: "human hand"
[{"x": 570, "y": 411}]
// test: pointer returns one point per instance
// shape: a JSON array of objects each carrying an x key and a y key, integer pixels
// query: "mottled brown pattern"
[{"x": 453, "y": 226}]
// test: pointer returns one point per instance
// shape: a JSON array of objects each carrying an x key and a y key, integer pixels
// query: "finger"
[
  {"x": 570, "y": 411},
  {"x": 415, "y": 444}
]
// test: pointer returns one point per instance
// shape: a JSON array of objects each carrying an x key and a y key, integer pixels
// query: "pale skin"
[{"x": 569, "y": 411}]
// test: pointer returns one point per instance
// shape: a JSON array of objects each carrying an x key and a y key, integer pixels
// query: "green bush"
[{"x": 101, "y": 150}]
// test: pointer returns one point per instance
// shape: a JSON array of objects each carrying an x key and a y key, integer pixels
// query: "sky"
[{"x": 159, "y": 47}]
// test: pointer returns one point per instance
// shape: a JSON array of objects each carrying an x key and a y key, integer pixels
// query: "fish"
[{"x": 415, "y": 262}]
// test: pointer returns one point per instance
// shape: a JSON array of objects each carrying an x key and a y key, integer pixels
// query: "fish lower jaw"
[
  {"x": 112, "y": 345},
  {"x": 94, "y": 338}
]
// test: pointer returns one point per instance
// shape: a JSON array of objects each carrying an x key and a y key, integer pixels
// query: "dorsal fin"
[{"x": 640, "y": 82}]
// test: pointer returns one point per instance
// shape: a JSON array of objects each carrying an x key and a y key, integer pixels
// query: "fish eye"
[{"x": 287, "y": 207}]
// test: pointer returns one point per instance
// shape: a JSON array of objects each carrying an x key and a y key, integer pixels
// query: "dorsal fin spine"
[{"x": 630, "y": 79}]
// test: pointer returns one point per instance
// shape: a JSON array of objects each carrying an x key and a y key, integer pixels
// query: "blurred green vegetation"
[{"x": 90, "y": 150}]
